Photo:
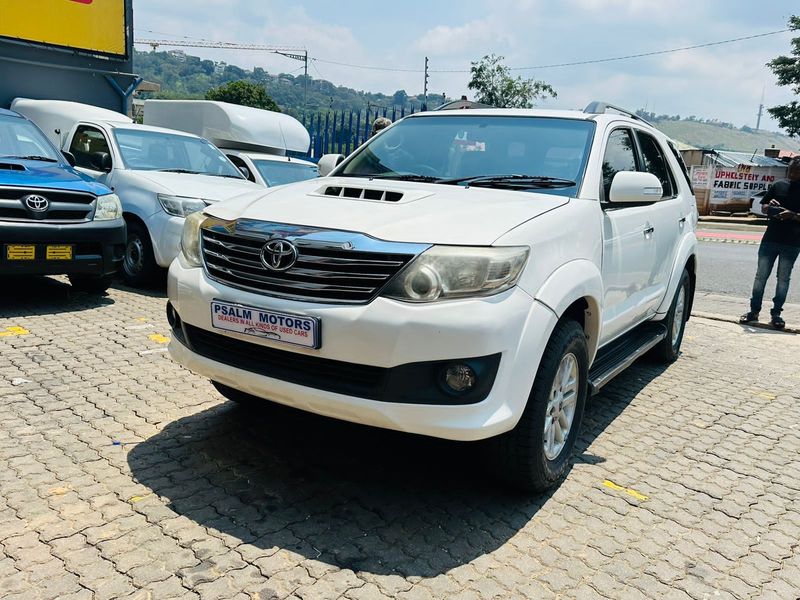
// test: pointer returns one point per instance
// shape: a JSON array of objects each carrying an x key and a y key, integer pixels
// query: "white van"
[
  {"x": 257, "y": 141},
  {"x": 160, "y": 175}
]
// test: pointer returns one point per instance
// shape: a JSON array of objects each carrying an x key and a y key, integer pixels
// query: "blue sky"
[{"x": 724, "y": 81}]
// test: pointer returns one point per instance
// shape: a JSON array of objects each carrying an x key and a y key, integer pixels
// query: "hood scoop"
[
  {"x": 12, "y": 167},
  {"x": 359, "y": 193}
]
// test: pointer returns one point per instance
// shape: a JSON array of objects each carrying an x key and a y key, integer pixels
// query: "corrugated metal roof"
[{"x": 727, "y": 158}]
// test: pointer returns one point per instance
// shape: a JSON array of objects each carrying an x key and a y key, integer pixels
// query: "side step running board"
[{"x": 620, "y": 354}]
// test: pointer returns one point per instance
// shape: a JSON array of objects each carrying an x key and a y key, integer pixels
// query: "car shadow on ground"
[
  {"x": 33, "y": 296},
  {"x": 354, "y": 497}
]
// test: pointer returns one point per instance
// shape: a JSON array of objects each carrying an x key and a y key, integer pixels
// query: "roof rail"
[{"x": 599, "y": 108}]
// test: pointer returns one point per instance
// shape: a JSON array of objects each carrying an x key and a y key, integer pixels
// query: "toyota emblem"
[
  {"x": 279, "y": 255},
  {"x": 36, "y": 203}
]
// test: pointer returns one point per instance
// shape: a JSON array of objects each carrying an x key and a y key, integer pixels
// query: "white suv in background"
[{"x": 464, "y": 275}]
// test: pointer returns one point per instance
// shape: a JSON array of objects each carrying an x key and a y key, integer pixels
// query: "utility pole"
[
  {"x": 425, "y": 85},
  {"x": 760, "y": 110}
]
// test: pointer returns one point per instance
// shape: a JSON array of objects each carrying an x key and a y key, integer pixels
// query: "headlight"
[
  {"x": 190, "y": 238},
  {"x": 445, "y": 272},
  {"x": 108, "y": 207},
  {"x": 180, "y": 206}
]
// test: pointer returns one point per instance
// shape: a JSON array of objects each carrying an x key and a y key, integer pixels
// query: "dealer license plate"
[
  {"x": 266, "y": 324},
  {"x": 62, "y": 252},
  {"x": 20, "y": 252}
]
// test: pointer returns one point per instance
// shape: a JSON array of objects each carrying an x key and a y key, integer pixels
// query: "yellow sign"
[
  {"x": 20, "y": 252},
  {"x": 59, "y": 253},
  {"x": 93, "y": 25}
]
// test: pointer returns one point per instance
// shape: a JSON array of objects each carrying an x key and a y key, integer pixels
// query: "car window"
[
  {"x": 655, "y": 162},
  {"x": 279, "y": 173},
  {"x": 147, "y": 150},
  {"x": 619, "y": 156},
  {"x": 462, "y": 146},
  {"x": 86, "y": 141},
  {"x": 19, "y": 137}
]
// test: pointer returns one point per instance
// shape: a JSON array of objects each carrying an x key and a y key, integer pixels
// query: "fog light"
[{"x": 460, "y": 378}]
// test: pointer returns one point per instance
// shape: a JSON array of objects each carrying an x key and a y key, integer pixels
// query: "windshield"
[
  {"x": 278, "y": 172},
  {"x": 144, "y": 150},
  {"x": 455, "y": 149},
  {"x": 19, "y": 138}
]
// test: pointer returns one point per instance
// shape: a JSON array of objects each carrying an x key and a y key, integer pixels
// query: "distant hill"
[
  {"x": 710, "y": 133},
  {"x": 184, "y": 76}
]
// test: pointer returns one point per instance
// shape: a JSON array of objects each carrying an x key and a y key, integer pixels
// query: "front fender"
[
  {"x": 686, "y": 250},
  {"x": 576, "y": 280}
]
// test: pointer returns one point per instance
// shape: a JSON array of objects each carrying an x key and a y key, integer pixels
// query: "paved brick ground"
[{"x": 122, "y": 475}]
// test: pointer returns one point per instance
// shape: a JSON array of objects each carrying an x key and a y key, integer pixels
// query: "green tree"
[
  {"x": 787, "y": 69},
  {"x": 494, "y": 85},
  {"x": 245, "y": 93}
]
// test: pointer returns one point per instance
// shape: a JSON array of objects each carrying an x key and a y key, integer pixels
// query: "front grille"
[
  {"x": 64, "y": 206},
  {"x": 324, "y": 271}
]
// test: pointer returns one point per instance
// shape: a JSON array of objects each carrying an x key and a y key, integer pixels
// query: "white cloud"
[{"x": 444, "y": 40}]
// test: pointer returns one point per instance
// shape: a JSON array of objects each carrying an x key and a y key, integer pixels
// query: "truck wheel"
[
  {"x": 535, "y": 455},
  {"x": 91, "y": 284},
  {"x": 669, "y": 348},
  {"x": 139, "y": 265}
]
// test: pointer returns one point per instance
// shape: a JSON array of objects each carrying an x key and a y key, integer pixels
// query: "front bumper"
[
  {"x": 98, "y": 247},
  {"x": 165, "y": 235},
  {"x": 386, "y": 335}
]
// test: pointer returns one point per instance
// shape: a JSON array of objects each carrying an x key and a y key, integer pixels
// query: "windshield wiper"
[
  {"x": 512, "y": 180},
  {"x": 187, "y": 171},
  {"x": 32, "y": 157},
  {"x": 408, "y": 177},
  {"x": 222, "y": 175}
]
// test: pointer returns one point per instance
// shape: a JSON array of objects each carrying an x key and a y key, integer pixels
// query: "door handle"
[
  {"x": 681, "y": 221},
  {"x": 649, "y": 230}
]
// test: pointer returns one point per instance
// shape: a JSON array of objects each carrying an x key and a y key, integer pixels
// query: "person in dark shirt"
[{"x": 781, "y": 242}]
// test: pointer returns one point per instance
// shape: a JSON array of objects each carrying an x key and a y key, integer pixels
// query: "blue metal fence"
[{"x": 343, "y": 131}]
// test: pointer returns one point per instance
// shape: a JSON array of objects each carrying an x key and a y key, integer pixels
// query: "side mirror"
[
  {"x": 635, "y": 187},
  {"x": 246, "y": 172},
  {"x": 101, "y": 161},
  {"x": 328, "y": 162},
  {"x": 70, "y": 157}
]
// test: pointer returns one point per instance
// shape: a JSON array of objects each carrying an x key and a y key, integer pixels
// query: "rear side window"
[
  {"x": 86, "y": 141},
  {"x": 655, "y": 162},
  {"x": 682, "y": 164},
  {"x": 619, "y": 156}
]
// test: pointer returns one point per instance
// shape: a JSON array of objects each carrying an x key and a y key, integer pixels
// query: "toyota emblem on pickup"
[
  {"x": 36, "y": 203},
  {"x": 279, "y": 255}
]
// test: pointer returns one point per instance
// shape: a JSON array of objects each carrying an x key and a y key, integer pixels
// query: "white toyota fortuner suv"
[{"x": 464, "y": 275}]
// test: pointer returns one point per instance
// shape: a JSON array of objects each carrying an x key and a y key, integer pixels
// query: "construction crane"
[{"x": 294, "y": 52}]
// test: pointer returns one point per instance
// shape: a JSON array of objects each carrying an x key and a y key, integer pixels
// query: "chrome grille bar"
[{"x": 332, "y": 266}]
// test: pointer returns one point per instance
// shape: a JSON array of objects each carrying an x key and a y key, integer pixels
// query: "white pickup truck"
[
  {"x": 465, "y": 275},
  {"x": 259, "y": 142},
  {"x": 160, "y": 175}
]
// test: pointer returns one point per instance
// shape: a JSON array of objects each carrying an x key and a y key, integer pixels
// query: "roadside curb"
[
  {"x": 727, "y": 241},
  {"x": 735, "y": 320}
]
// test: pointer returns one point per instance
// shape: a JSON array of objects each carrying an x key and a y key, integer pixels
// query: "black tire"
[
  {"x": 234, "y": 395},
  {"x": 668, "y": 349},
  {"x": 520, "y": 453},
  {"x": 91, "y": 284},
  {"x": 139, "y": 266}
]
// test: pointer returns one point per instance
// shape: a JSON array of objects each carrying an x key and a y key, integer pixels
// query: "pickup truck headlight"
[
  {"x": 190, "y": 239},
  {"x": 180, "y": 206},
  {"x": 108, "y": 207},
  {"x": 447, "y": 272}
]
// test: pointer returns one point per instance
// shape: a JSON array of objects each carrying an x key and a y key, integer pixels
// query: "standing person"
[{"x": 781, "y": 241}]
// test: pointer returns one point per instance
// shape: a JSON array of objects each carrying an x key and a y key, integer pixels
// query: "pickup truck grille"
[
  {"x": 324, "y": 271},
  {"x": 61, "y": 207}
]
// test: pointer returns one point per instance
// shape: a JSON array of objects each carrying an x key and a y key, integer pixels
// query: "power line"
[
  {"x": 567, "y": 64},
  {"x": 205, "y": 43}
]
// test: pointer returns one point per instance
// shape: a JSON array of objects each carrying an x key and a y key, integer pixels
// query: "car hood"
[
  {"x": 421, "y": 213},
  {"x": 207, "y": 187},
  {"x": 46, "y": 175}
]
